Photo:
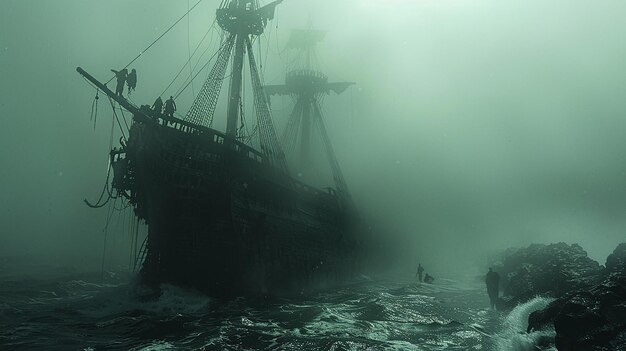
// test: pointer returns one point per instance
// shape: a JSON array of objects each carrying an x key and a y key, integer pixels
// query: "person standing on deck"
[
  {"x": 131, "y": 80},
  {"x": 121, "y": 80},
  {"x": 170, "y": 107},
  {"x": 420, "y": 271},
  {"x": 493, "y": 287},
  {"x": 157, "y": 107}
]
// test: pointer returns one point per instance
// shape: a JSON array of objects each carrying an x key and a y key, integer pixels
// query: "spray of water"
[{"x": 513, "y": 336}]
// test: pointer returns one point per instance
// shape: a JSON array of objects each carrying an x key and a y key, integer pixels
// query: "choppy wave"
[
  {"x": 513, "y": 334},
  {"x": 82, "y": 313}
]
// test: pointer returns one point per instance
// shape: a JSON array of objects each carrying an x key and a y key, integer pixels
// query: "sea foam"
[{"x": 513, "y": 336}]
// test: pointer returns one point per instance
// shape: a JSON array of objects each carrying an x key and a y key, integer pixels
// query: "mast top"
[{"x": 245, "y": 16}]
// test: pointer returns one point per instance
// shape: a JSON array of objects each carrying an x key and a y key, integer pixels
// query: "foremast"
[{"x": 242, "y": 21}]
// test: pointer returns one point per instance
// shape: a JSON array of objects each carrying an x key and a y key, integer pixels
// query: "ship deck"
[{"x": 216, "y": 140}]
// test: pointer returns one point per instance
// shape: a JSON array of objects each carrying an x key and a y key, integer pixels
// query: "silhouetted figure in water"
[
  {"x": 420, "y": 271},
  {"x": 131, "y": 80},
  {"x": 121, "y": 80},
  {"x": 170, "y": 107},
  {"x": 157, "y": 107},
  {"x": 493, "y": 286},
  {"x": 428, "y": 279}
]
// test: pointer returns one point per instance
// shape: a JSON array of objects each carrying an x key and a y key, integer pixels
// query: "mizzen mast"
[{"x": 307, "y": 86}]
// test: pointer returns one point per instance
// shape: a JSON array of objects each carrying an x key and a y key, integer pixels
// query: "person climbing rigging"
[
  {"x": 157, "y": 107},
  {"x": 121, "y": 80},
  {"x": 131, "y": 80},
  {"x": 420, "y": 271},
  {"x": 170, "y": 107},
  {"x": 493, "y": 285}
]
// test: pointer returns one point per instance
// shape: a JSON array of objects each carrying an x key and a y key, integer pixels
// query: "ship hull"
[{"x": 221, "y": 219}]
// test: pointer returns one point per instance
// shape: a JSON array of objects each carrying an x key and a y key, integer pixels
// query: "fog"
[{"x": 474, "y": 125}]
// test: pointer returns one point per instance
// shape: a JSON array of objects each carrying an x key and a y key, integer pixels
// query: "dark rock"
[
  {"x": 540, "y": 319},
  {"x": 589, "y": 316},
  {"x": 594, "y": 319},
  {"x": 616, "y": 262},
  {"x": 549, "y": 270}
]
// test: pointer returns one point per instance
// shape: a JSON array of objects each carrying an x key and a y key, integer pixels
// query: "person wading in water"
[
  {"x": 420, "y": 271},
  {"x": 493, "y": 287}
]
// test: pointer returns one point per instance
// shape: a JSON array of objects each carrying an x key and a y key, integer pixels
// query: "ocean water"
[{"x": 86, "y": 311}]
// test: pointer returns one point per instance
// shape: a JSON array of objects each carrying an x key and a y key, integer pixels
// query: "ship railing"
[
  {"x": 306, "y": 73},
  {"x": 141, "y": 255},
  {"x": 303, "y": 76},
  {"x": 330, "y": 192},
  {"x": 213, "y": 135}
]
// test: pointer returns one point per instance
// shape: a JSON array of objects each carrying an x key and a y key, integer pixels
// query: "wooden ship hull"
[{"x": 222, "y": 220}]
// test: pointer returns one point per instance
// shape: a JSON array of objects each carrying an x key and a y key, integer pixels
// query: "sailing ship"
[{"x": 224, "y": 213}]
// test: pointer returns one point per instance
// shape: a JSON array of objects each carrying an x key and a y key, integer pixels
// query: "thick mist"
[{"x": 473, "y": 126}]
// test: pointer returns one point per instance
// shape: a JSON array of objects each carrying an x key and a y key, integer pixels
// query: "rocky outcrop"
[
  {"x": 549, "y": 270},
  {"x": 590, "y": 316},
  {"x": 594, "y": 320},
  {"x": 616, "y": 262}
]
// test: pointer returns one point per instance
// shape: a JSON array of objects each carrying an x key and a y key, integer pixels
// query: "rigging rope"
[
  {"x": 157, "y": 39},
  {"x": 124, "y": 118},
  {"x": 136, "y": 239},
  {"x": 332, "y": 158},
  {"x": 117, "y": 119},
  {"x": 243, "y": 119},
  {"x": 189, "y": 60},
  {"x": 244, "y": 133},
  {"x": 193, "y": 93},
  {"x": 203, "y": 108},
  {"x": 106, "y": 232},
  {"x": 142, "y": 252},
  {"x": 105, "y": 189},
  {"x": 130, "y": 252},
  {"x": 114, "y": 113},
  {"x": 267, "y": 134},
  {"x": 290, "y": 134},
  {"x": 187, "y": 81},
  {"x": 94, "y": 109}
]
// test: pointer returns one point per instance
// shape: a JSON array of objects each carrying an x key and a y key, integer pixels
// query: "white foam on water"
[
  {"x": 513, "y": 336},
  {"x": 176, "y": 300},
  {"x": 173, "y": 301},
  {"x": 156, "y": 346}
]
